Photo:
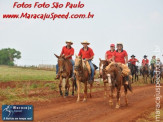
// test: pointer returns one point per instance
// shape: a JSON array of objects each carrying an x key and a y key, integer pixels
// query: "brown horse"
[
  {"x": 82, "y": 75},
  {"x": 116, "y": 79},
  {"x": 65, "y": 71},
  {"x": 102, "y": 74},
  {"x": 145, "y": 73}
]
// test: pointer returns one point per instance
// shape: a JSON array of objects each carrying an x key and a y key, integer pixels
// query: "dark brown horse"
[
  {"x": 102, "y": 74},
  {"x": 145, "y": 73},
  {"x": 116, "y": 79},
  {"x": 82, "y": 75},
  {"x": 65, "y": 71}
]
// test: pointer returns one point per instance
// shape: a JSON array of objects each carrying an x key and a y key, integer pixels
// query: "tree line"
[{"x": 8, "y": 56}]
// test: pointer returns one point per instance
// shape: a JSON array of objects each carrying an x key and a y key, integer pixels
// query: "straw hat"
[
  {"x": 85, "y": 42},
  {"x": 69, "y": 41},
  {"x": 158, "y": 59},
  {"x": 119, "y": 43}
]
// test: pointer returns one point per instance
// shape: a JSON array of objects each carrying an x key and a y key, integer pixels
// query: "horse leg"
[
  {"x": 111, "y": 95},
  {"x": 118, "y": 97},
  {"x": 105, "y": 89},
  {"x": 91, "y": 85},
  {"x": 67, "y": 86},
  {"x": 78, "y": 85},
  {"x": 60, "y": 86},
  {"x": 73, "y": 85},
  {"x": 85, "y": 92},
  {"x": 125, "y": 91}
]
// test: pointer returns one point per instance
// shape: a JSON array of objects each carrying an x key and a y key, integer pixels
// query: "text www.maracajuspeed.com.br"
[{"x": 44, "y": 16}]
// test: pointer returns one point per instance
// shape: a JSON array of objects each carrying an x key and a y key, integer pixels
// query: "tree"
[{"x": 8, "y": 56}]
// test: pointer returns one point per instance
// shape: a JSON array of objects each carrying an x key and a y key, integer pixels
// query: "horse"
[
  {"x": 82, "y": 75},
  {"x": 116, "y": 79},
  {"x": 152, "y": 68},
  {"x": 145, "y": 73},
  {"x": 134, "y": 71},
  {"x": 102, "y": 74},
  {"x": 65, "y": 71}
]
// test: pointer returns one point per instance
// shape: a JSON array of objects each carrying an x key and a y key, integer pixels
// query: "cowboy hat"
[
  {"x": 85, "y": 42},
  {"x": 69, "y": 41},
  {"x": 119, "y": 43},
  {"x": 158, "y": 59},
  {"x": 145, "y": 55},
  {"x": 132, "y": 55}
]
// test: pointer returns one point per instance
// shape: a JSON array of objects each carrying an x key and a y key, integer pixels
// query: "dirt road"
[{"x": 97, "y": 108}]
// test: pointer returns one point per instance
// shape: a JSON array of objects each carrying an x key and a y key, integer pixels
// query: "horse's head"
[
  {"x": 113, "y": 71},
  {"x": 78, "y": 63},
  {"x": 102, "y": 65},
  {"x": 61, "y": 61}
]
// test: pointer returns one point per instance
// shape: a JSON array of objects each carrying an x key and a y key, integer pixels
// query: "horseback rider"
[
  {"x": 133, "y": 60},
  {"x": 121, "y": 56},
  {"x": 145, "y": 61},
  {"x": 109, "y": 54},
  {"x": 87, "y": 54},
  {"x": 67, "y": 52},
  {"x": 153, "y": 60}
]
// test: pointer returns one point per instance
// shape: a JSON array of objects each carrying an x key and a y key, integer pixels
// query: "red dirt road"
[{"x": 97, "y": 108}]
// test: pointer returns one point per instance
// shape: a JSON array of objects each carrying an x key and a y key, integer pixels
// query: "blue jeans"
[
  {"x": 92, "y": 69},
  {"x": 72, "y": 62}
]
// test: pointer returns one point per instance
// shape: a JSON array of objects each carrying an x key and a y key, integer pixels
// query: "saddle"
[
  {"x": 125, "y": 69},
  {"x": 86, "y": 65}
]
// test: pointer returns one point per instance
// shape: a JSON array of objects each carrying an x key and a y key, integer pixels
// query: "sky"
[{"x": 138, "y": 24}]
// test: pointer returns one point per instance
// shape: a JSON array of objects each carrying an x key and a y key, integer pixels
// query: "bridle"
[{"x": 78, "y": 67}]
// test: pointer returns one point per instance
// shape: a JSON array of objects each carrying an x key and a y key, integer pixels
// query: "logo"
[{"x": 17, "y": 112}]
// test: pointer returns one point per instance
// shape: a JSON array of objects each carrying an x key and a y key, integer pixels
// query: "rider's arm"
[
  {"x": 126, "y": 59},
  {"x": 68, "y": 56},
  {"x": 113, "y": 58}
]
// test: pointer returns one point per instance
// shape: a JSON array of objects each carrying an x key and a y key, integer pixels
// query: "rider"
[
  {"x": 153, "y": 60},
  {"x": 109, "y": 54},
  {"x": 121, "y": 56},
  {"x": 133, "y": 60},
  {"x": 145, "y": 61},
  {"x": 67, "y": 52},
  {"x": 153, "y": 63},
  {"x": 87, "y": 54}
]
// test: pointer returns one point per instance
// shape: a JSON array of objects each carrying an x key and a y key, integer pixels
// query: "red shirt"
[
  {"x": 109, "y": 54},
  {"x": 67, "y": 51},
  {"x": 133, "y": 61},
  {"x": 144, "y": 62},
  {"x": 86, "y": 54},
  {"x": 120, "y": 56}
]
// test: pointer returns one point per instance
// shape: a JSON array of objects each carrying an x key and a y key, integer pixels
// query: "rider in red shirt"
[
  {"x": 133, "y": 60},
  {"x": 109, "y": 54},
  {"x": 120, "y": 55},
  {"x": 67, "y": 52},
  {"x": 145, "y": 61},
  {"x": 87, "y": 54}
]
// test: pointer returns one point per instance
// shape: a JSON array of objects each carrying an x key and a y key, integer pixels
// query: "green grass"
[{"x": 24, "y": 74}]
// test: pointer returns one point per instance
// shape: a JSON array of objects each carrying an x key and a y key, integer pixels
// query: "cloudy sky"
[{"x": 138, "y": 24}]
